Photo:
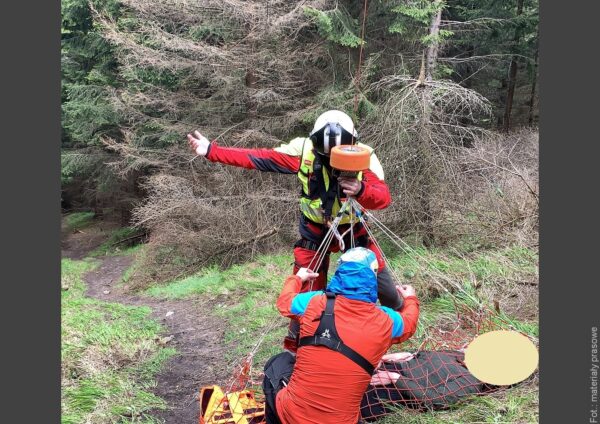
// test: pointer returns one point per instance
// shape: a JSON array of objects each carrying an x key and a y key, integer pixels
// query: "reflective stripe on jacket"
[
  {"x": 288, "y": 159},
  {"x": 311, "y": 203}
]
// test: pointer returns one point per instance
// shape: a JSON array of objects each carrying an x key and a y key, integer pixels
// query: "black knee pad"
[{"x": 386, "y": 290}]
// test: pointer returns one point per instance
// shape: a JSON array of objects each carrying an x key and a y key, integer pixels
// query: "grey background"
[
  {"x": 569, "y": 169},
  {"x": 30, "y": 175}
]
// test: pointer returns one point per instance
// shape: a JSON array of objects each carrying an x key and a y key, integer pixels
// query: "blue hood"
[{"x": 355, "y": 280}]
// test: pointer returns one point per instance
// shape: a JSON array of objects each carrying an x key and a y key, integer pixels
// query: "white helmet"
[
  {"x": 361, "y": 255},
  {"x": 332, "y": 128}
]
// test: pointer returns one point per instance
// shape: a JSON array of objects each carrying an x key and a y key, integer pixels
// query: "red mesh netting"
[{"x": 432, "y": 376}]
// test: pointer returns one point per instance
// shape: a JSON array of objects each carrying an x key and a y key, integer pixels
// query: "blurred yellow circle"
[{"x": 501, "y": 357}]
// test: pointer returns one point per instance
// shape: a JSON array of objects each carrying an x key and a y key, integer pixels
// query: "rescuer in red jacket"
[
  {"x": 319, "y": 201},
  {"x": 343, "y": 336}
]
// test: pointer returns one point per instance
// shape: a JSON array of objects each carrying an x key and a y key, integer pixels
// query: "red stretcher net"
[{"x": 424, "y": 373}]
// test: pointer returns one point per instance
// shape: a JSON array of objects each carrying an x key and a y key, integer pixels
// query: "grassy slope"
[
  {"x": 109, "y": 356},
  {"x": 78, "y": 220},
  {"x": 244, "y": 295},
  {"x": 112, "y": 245}
]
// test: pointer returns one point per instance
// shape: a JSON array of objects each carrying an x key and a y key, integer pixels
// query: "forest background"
[{"x": 446, "y": 94}]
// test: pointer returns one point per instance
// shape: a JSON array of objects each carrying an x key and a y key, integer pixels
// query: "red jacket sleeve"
[
  {"x": 291, "y": 287},
  {"x": 410, "y": 316},
  {"x": 375, "y": 193},
  {"x": 266, "y": 160}
]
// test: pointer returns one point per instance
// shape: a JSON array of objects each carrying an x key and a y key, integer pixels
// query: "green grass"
[
  {"x": 484, "y": 268},
  {"x": 526, "y": 327},
  {"x": 489, "y": 269},
  {"x": 112, "y": 245},
  {"x": 71, "y": 276},
  {"x": 130, "y": 270},
  {"x": 481, "y": 267},
  {"x": 207, "y": 281},
  {"x": 244, "y": 295},
  {"x": 78, "y": 220},
  {"x": 109, "y": 356},
  {"x": 517, "y": 405},
  {"x": 134, "y": 267},
  {"x": 444, "y": 309}
]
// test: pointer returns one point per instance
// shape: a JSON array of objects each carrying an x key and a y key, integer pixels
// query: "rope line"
[
  {"x": 324, "y": 247},
  {"x": 414, "y": 253},
  {"x": 360, "y": 57}
]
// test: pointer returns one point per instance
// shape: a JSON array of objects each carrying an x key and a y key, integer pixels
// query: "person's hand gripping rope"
[{"x": 306, "y": 274}]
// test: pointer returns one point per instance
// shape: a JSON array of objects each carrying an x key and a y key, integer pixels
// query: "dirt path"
[{"x": 196, "y": 334}]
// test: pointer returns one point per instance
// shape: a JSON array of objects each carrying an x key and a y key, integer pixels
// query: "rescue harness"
[{"x": 327, "y": 335}]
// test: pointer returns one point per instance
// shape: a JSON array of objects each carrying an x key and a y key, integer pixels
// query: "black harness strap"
[
  {"x": 327, "y": 335},
  {"x": 328, "y": 196},
  {"x": 307, "y": 244}
]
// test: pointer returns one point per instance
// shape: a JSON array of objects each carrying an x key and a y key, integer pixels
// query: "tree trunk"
[
  {"x": 468, "y": 81},
  {"x": 512, "y": 76},
  {"x": 512, "y": 79},
  {"x": 431, "y": 55},
  {"x": 533, "y": 82},
  {"x": 502, "y": 99},
  {"x": 432, "y": 50},
  {"x": 97, "y": 207},
  {"x": 250, "y": 80}
]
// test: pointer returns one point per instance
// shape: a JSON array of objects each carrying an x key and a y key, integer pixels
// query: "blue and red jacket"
[{"x": 326, "y": 386}]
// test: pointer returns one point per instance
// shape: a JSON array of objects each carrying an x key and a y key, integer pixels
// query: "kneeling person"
[{"x": 343, "y": 336}]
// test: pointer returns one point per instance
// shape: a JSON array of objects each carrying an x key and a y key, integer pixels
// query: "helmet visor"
[{"x": 330, "y": 135}]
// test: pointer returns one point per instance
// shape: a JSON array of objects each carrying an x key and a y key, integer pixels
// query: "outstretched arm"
[
  {"x": 266, "y": 160},
  {"x": 410, "y": 316},
  {"x": 290, "y": 301}
]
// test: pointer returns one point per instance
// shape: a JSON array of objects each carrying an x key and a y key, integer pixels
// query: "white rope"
[
  {"x": 352, "y": 222},
  {"x": 374, "y": 240},
  {"x": 324, "y": 247},
  {"x": 331, "y": 233},
  {"x": 412, "y": 253},
  {"x": 408, "y": 250},
  {"x": 385, "y": 259},
  {"x": 356, "y": 210}
]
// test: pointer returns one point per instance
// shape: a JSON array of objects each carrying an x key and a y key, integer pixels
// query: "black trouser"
[
  {"x": 386, "y": 290},
  {"x": 278, "y": 371}
]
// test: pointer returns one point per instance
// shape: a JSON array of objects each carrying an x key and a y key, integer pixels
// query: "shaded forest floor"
[{"x": 208, "y": 321}]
